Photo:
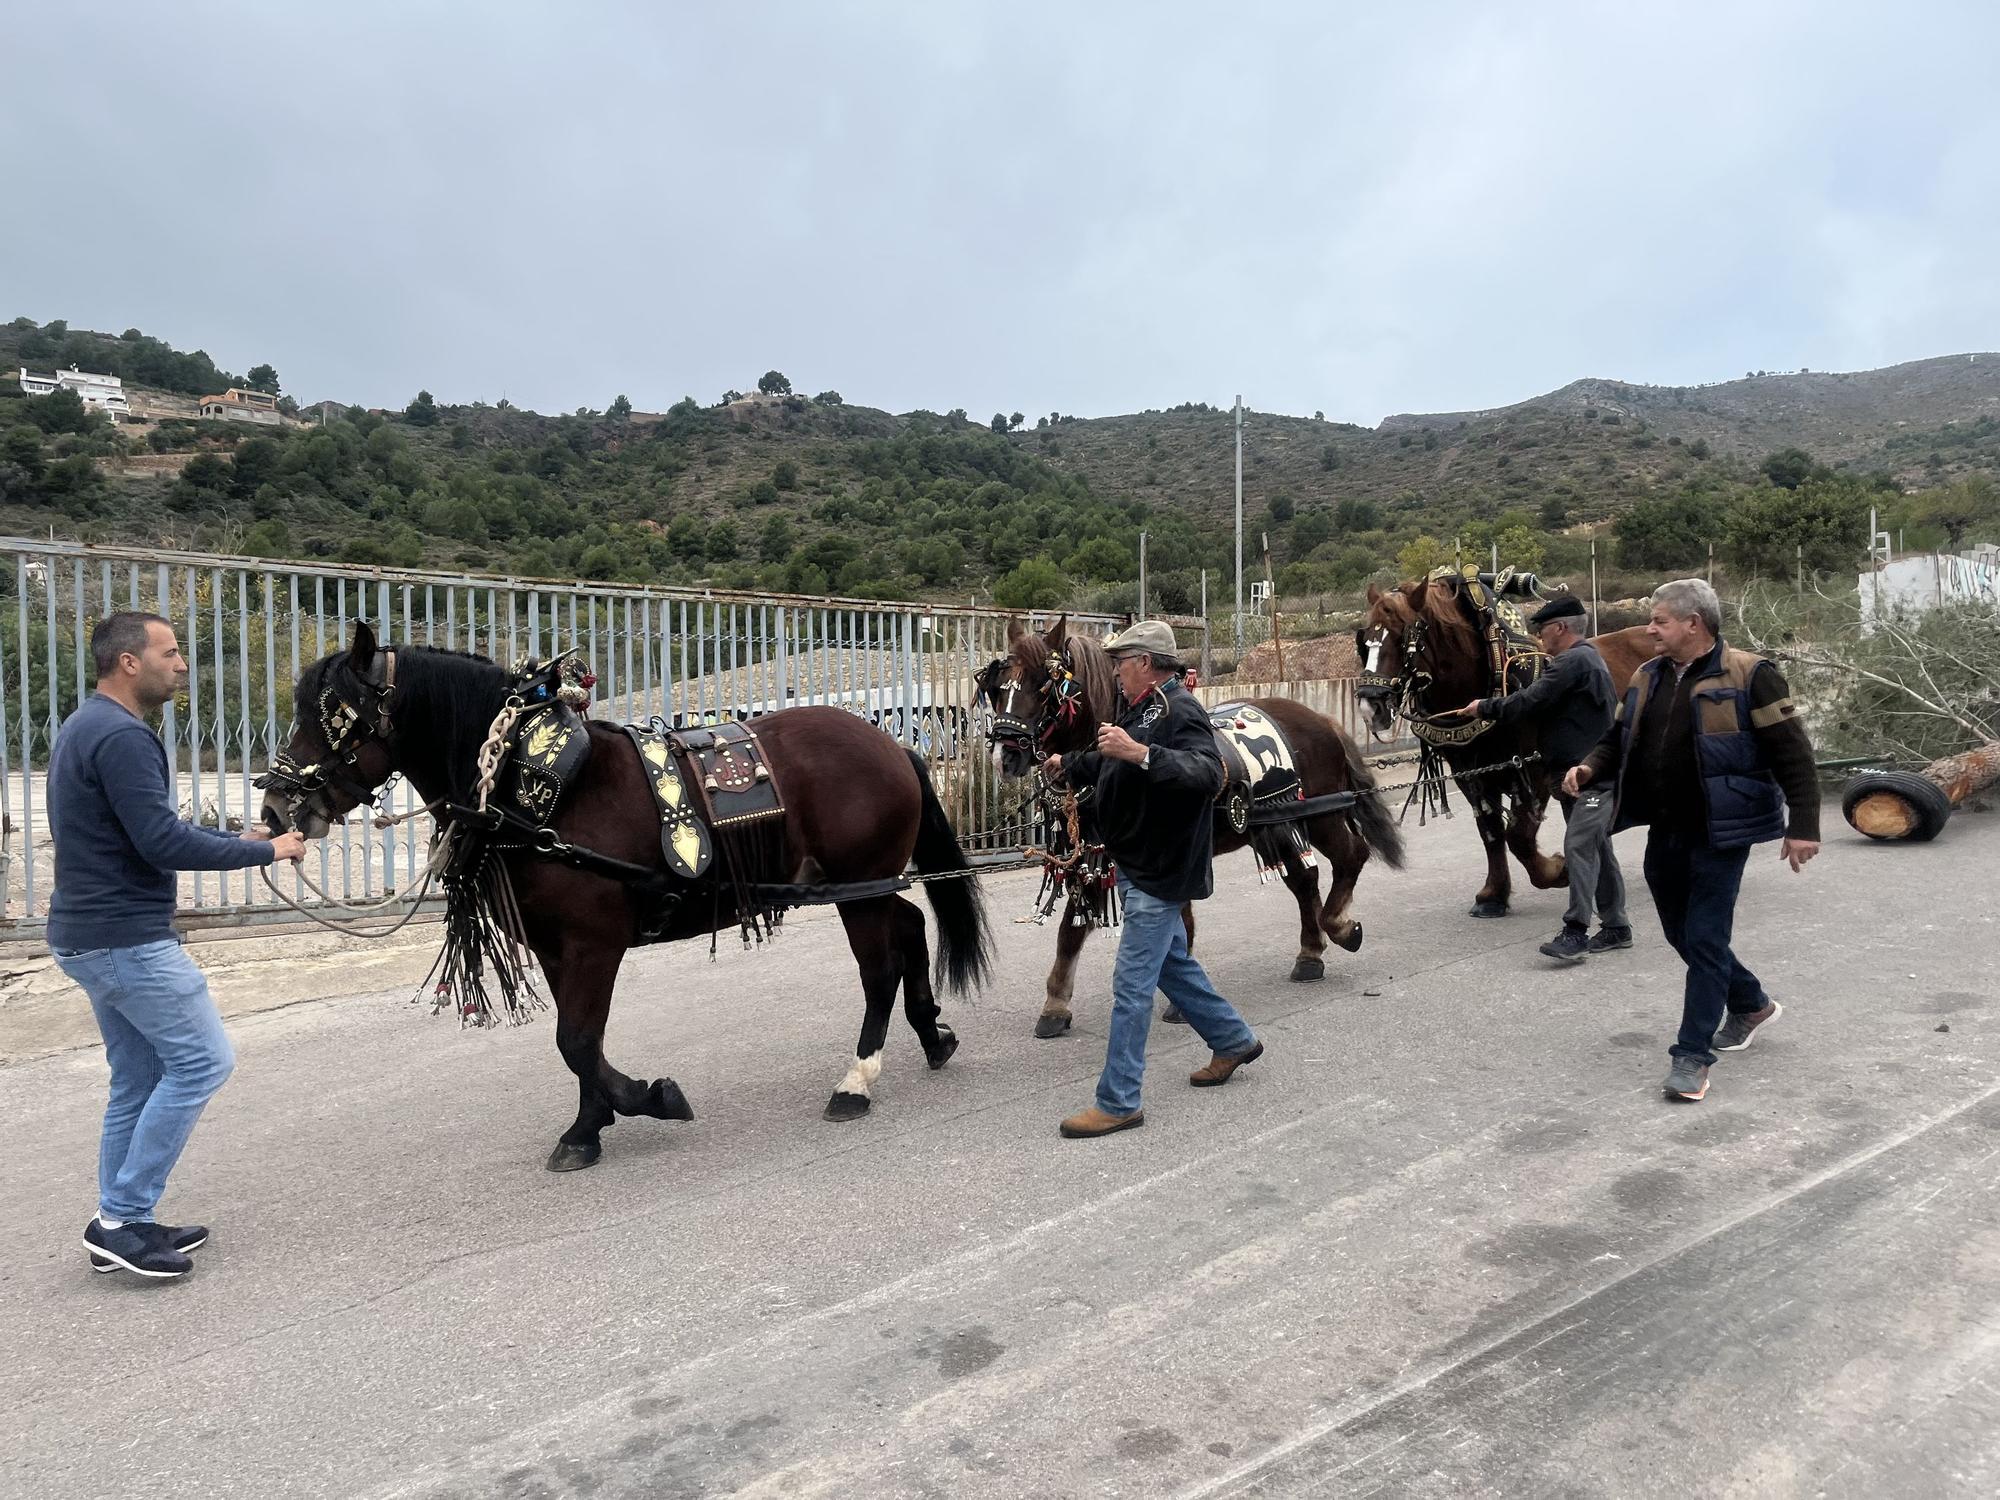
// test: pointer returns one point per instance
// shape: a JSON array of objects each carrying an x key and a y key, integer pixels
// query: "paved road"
[{"x": 1445, "y": 1239}]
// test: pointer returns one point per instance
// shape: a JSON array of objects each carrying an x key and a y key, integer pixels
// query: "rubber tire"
[{"x": 1926, "y": 800}]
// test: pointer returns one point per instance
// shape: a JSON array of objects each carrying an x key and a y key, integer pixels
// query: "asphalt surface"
[{"x": 1445, "y": 1238}]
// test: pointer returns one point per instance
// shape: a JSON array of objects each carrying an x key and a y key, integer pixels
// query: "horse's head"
[
  {"x": 1380, "y": 644},
  {"x": 1040, "y": 705},
  {"x": 341, "y": 747}
]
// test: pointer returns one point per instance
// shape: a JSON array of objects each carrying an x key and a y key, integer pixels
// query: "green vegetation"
[
  {"x": 811, "y": 495},
  {"x": 132, "y": 357}
]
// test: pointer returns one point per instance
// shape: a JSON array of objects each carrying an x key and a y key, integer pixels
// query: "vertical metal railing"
[{"x": 249, "y": 628}]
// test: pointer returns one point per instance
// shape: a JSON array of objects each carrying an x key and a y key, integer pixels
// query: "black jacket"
[
  {"x": 1570, "y": 705},
  {"x": 1156, "y": 819}
]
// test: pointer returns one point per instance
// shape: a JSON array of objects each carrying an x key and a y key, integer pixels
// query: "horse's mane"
[
  {"x": 444, "y": 705},
  {"x": 1088, "y": 661},
  {"x": 1441, "y": 608}
]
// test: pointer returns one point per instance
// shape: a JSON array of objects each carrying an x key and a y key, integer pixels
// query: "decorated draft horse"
[
  {"x": 1294, "y": 783},
  {"x": 580, "y": 840},
  {"x": 1429, "y": 647}
]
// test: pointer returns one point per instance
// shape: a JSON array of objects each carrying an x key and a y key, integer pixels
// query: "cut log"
[
  {"x": 1962, "y": 775},
  {"x": 1899, "y": 805}
]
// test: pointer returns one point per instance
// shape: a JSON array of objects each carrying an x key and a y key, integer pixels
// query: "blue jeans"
[
  {"x": 1694, "y": 890},
  {"x": 168, "y": 1053},
  {"x": 1153, "y": 955}
]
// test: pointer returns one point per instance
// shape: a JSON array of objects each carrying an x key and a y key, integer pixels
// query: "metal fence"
[{"x": 248, "y": 627}]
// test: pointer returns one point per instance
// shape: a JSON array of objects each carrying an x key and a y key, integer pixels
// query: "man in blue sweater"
[{"x": 119, "y": 839}]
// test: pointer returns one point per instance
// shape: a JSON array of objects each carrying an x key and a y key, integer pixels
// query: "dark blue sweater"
[{"x": 119, "y": 836}]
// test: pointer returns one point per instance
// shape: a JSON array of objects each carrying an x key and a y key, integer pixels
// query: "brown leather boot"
[
  {"x": 1086, "y": 1123},
  {"x": 1220, "y": 1068}
]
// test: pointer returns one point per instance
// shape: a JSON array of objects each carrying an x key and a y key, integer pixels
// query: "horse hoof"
[
  {"x": 846, "y": 1106},
  {"x": 568, "y": 1158},
  {"x": 1051, "y": 1023},
  {"x": 665, "y": 1101},
  {"x": 1308, "y": 969},
  {"x": 947, "y": 1044},
  {"x": 1173, "y": 1017},
  {"x": 1352, "y": 942},
  {"x": 1489, "y": 909}
]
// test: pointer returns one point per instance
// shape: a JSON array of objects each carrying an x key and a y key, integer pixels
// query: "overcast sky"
[{"x": 1082, "y": 207}]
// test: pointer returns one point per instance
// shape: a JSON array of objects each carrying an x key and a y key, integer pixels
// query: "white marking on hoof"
[{"x": 864, "y": 1072}]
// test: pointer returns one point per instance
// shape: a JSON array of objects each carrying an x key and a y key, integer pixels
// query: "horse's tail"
[
  {"x": 965, "y": 943},
  {"x": 1378, "y": 829}
]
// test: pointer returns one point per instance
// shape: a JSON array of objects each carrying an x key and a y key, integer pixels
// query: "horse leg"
[
  {"x": 920, "y": 1007},
  {"x": 1055, "y": 1017},
  {"x": 1302, "y": 880},
  {"x": 1346, "y": 852},
  {"x": 1493, "y": 896},
  {"x": 871, "y": 933},
  {"x": 582, "y": 982},
  {"x": 1545, "y": 871}
]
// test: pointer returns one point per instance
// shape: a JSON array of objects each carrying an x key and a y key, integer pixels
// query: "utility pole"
[
  {"x": 1206, "y": 634},
  {"x": 1593, "y": 585},
  {"x": 1239, "y": 526},
  {"x": 1142, "y": 575},
  {"x": 1271, "y": 597}
]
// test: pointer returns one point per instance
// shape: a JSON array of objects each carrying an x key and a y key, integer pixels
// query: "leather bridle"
[
  {"x": 345, "y": 727},
  {"x": 1031, "y": 716}
]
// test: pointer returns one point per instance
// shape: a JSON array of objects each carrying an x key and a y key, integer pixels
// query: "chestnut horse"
[
  {"x": 1326, "y": 759},
  {"x": 858, "y": 807},
  {"x": 1448, "y": 669}
]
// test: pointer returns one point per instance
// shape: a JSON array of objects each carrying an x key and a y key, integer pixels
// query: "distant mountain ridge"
[{"x": 1820, "y": 411}]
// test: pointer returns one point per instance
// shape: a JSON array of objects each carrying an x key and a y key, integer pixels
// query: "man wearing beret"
[
  {"x": 1570, "y": 706},
  {"x": 1154, "y": 775}
]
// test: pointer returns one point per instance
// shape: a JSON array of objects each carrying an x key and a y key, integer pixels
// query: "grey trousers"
[{"x": 1595, "y": 881}]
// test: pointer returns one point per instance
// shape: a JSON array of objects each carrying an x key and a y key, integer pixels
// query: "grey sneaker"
[
  {"x": 1740, "y": 1030},
  {"x": 1605, "y": 939},
  {"x": 1568, "y": 946},
  {"x": 1686, "y": 1080}
]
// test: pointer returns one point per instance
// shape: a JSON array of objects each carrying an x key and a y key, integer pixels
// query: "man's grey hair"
[
  {"x": 117, "y": 635},
  {"x": 1689, "y": 598}
]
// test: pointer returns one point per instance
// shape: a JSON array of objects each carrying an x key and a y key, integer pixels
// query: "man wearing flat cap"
[
  {"x": 1570, "y": 706},
  {"x": 1154, "y": 777}
]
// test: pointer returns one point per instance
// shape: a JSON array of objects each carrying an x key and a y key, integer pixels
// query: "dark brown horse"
[
  {"x": 1448, "y": 667},
  {"x": 858, "y": 807},
  {"x": 1326, "y": 759}
]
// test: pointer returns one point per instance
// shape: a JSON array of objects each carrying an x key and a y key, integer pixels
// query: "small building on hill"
[
  {"x": 239, "y": 405},
  {"x": 105, "y": 393}
]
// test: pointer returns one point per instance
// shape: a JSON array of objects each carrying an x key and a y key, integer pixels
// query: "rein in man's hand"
[
  {"x": 289, "y": 846},
  {"x": 1116, "y": 743}
]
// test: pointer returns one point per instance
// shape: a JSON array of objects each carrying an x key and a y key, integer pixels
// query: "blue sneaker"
[
  {"x": 141, "y": 1247},
  {"x": 184, "y": 1238}
]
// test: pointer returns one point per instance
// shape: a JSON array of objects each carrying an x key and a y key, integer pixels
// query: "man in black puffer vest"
[
  {"x": 1708, "y": 749},
  {"x": 1154, "y": 776}
]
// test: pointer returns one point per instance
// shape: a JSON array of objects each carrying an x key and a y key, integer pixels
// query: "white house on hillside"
[
  {"x": 239, "y": 405},
  {"x": 99, "y": 392}
]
